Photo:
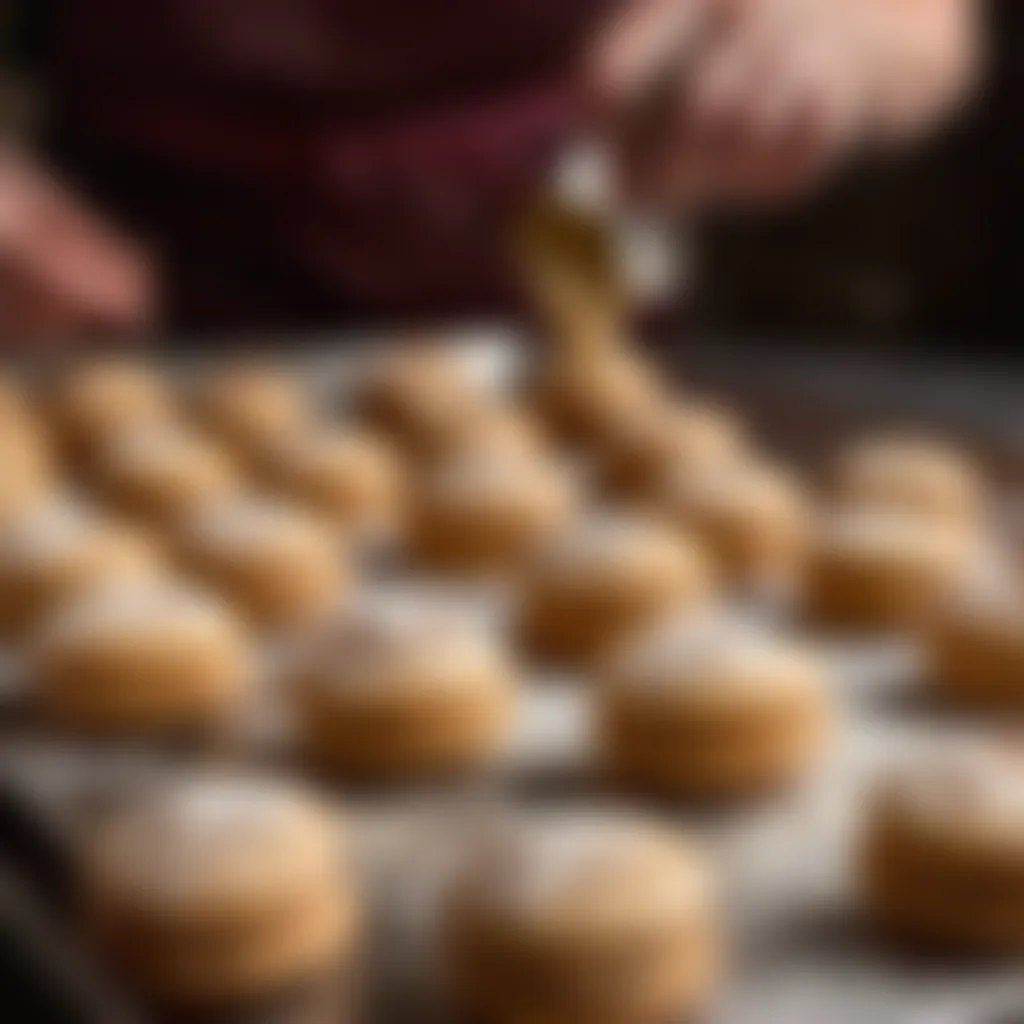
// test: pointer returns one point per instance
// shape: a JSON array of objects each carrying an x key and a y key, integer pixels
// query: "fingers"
[
  {"x": 645, "y": 39},
  {"x": 63, "y": 274},
  {"x": 760, "y": 114}
]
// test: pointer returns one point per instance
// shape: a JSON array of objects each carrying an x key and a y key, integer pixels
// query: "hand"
[
  {"x": 64, "y": 275},
  {"x": 757, "y": 99}
]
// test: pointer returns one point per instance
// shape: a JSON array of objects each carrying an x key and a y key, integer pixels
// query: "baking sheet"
[{"x": 801, "y": 954}]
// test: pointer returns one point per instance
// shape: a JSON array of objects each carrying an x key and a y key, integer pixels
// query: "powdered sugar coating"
[
  {"x": 49, "y": 536},
  {"x": 961, "y": 783},
  {"x": 481, "y": 476},
  {"x": 404, "y": 640},
  {"x": 887, "y": 532},
  {"x": 145, "y": 606},
  {"x": 604, "y": 541},
  {"x": 584, "y": 868},
  {"x": 160, "y": 445},
  {"x": 215, "y": 836},
  {"x": 700, "y": 656},
  {"x": 247, "y": 525}
]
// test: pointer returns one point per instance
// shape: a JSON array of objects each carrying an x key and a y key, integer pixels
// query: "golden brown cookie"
[
  {"x": 249, "y": 407},
  {"x": 583, "y": 397},
  {"x": 605, "y": 578},
  {"x": 582, "y": 918},
  {"x": 278, "y": 567},
  {"x": 219, "y": 891},
  {"x": 711, "y": 710},
  {"x": 942, "y": 856},
  {"x": 28, "y": 476},
  {"x": 347, "y": 478},
  {"x": 401, "y": 689},
  {"x": 499, "y": 431},
  {"x": 423, "y": 397},
  {"x": 479, "y": 514},
  {"x": 754, "y": 518},
  {"x": 976, "y": 648},
  {"x": 913, "y": 475},
  {"x": 60, "y": 553},
  {"x": 871, "y": 569},
  {"x": 164, "y": 474},
  {"x": 139, "y": 659},
  {"x": 643, "y": 451},
  {"x": 96, "y": 401}
]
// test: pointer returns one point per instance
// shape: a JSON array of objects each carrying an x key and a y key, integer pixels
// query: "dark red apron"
[{"x": 309, "y": 161}]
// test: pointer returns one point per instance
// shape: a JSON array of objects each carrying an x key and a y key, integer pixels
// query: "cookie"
[
  {"x": 873, "y": 569},
  {"x": 499, "y": 431},
  {"x": 163, "y": 475},
  {"x": 52, "y": 557},
  {"x": 349, "y": 479},
  {"x": 249, "y": 407},
  {"x": 976, "y": 651},
  {"x": 753, "y": 518},
  {"x": 942, "y": 852},
  {"x": 479, "y": 514},
  {"x": 643, "y": 451},
  {"x": 402, "y": 689},
  {"x": 913, "y": 475},
  {"x": 219, "y": 891},
  {"x": 583, "y": 397},
  {"x": 140, "y": 659},
  {"x": 709, "y": 710},
  {"x": 423, "y": 397},
  {"x": 277, "y": 566},
  {"x": 27, "y": 462},
  {"x": 96, "y": 401},
  {"x": 604, "y": 578},
  {"x": 582, "y": 918}
]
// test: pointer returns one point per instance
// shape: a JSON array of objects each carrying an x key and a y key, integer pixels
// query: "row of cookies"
[
  {"x": 213, "y": 891},
  {"x": 901, "y": 550}
]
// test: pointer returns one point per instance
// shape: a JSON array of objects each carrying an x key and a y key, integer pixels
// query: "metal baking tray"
[{"x": 800, "y": 952}]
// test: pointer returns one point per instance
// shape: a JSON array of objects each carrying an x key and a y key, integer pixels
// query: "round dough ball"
[
  {"x": 277, "y": 566},
  {"x": 753, "y": 518},
  {"x": 423, "y": 398},
  {"x": 164, "y": 474},
  {"x": 139, "y": 659},
  {"x": 479, "y": 514},
  {"x": 250, "y": 407},
  {"x": 872, "y": 569},
  {"x": 604, "y": 579},
  {"x": 586, "y": 396},
  {"x": 98, "y": 401},
  {"x": 977, "y": 651},
  {"x": 402, "y": 689},
  {"x": 644, "y": 451},
  {"x": 28, "y": 479},
  {"x": 219, "y": 891},
  {"x": 60, "y": 553},
  {"x": 942, "y": 858},
  {"x": 500, "y": 432},
  {"x": 347, "y": 478},
  {"x": 709, "y": 710},
  {"x": 582, "y": 918},
  {"x": 912, "y": 475}
]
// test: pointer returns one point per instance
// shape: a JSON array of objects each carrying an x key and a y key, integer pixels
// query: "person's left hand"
[{"x": 758, "y": 99}]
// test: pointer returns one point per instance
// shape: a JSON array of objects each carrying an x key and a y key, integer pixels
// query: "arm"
[{"x": 64, "y": 273}]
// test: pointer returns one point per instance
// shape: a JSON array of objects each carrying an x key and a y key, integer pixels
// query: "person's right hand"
[
  {"x": 64, "y": 274},
  {"x": 759, "y": 99}
]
